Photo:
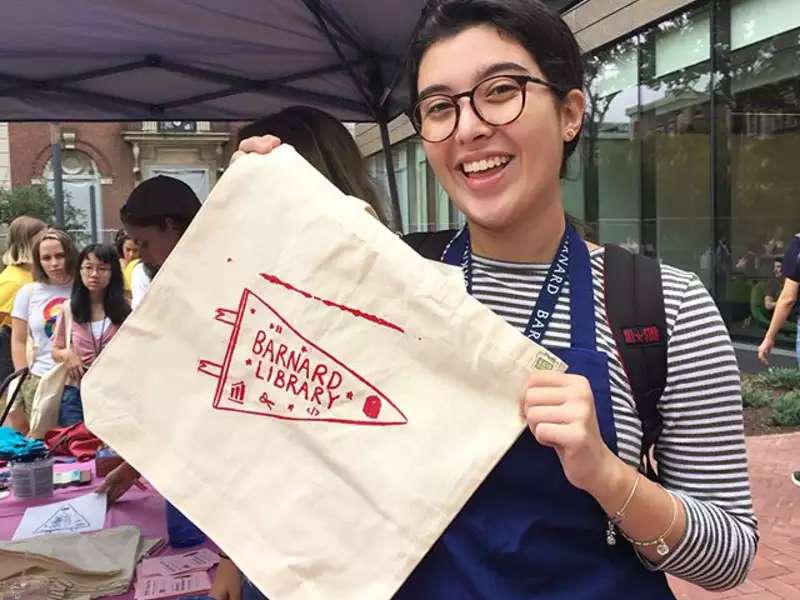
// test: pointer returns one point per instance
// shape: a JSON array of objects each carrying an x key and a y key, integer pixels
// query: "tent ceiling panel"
[
  {"x": 159, "y": 87},
  {"x": 149, "y": 59}
]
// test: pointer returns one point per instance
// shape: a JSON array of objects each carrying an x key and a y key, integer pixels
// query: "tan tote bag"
[
  {"x": 310, "y": 392},
  {"x": 47, "y": 399},
  {"x": 30, "y": 352}
]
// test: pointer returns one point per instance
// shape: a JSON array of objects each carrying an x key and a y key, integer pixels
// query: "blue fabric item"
[
  {"x": 71, "y": 410},
  {"x": 797, "y": 345},
  {"x": 790, "y": 266},
  {"x": 556, "y": 278},
  {"x": 15, "y": 446},
  {"x": 527, "y": 533},
  {"x": 250, "y": 591},
  {"x": 181, "y": 531}
]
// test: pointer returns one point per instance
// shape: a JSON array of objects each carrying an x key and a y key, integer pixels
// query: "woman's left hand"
[
  {"x": 227, "y": 583},
  {"x": 559, "y": 410},
  {"x": 256, "y": 145},
  {"x": 75, "y": 366}
]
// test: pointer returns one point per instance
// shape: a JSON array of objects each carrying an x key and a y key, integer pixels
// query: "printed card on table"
[
  {"x": 195, "y": 560},
  {"x": 169, "y": 586}
]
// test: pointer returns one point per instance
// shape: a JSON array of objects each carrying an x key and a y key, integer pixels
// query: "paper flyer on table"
[{"x": 76, "y": 515}]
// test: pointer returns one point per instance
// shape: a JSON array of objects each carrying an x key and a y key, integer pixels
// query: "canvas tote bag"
[
  {"x": 15, "y": 383},
  {"x": 47, "y": 399},
  {"x": 310, "y": 392}
]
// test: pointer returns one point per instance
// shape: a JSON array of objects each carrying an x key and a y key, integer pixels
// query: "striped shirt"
[{"x": 701, "y": 451}]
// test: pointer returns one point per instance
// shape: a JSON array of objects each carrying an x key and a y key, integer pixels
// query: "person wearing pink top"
[{"x": 98, "y": 306}]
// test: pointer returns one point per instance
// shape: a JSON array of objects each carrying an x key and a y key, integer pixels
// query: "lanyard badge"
[{"x": 459, "y": 252}]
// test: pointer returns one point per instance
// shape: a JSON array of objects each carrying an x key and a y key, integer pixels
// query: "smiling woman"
[
  {"x": 511, "y": 94},
  {"x": 497, "y": 98},
  {"x": 496, "y": 89}
]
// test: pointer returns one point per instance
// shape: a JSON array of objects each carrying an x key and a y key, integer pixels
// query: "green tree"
[{"x": 36, "y": 201}]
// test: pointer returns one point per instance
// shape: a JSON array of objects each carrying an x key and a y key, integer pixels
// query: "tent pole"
[
  {"x": 55, "y": 163},
  {"x": 93, "y": 214},
  {"x": 395, "y": 218}
]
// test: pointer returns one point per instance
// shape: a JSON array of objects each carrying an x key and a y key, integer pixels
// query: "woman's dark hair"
[
  {"x": 324, "y": 142},
  {"x": 114, "y": 302},
  {"x": 537, "y": 28},
  {"x": 161, "y": 201},
  {"x": 179, "y": 222},
  {"x": 119, "y": 240}
]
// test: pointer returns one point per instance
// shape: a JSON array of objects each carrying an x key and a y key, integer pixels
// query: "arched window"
[{"x": 81, "y": 181}]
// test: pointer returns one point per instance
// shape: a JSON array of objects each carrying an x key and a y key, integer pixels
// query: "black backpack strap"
[
  {"x": 635, "y": 308},
  {"x": 431, "y": 245}
]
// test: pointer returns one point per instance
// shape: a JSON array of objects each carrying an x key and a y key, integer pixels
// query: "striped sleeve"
[{"x": 701, "y": 452}]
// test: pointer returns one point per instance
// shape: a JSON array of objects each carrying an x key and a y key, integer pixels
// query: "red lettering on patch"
[{"x": 640, "y": 336}]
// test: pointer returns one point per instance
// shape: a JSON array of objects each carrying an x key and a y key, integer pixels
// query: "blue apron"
[{"x": 527, "y": 532}]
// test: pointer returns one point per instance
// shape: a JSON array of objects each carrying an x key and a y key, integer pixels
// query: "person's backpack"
[{"x": 635, "y": 309}]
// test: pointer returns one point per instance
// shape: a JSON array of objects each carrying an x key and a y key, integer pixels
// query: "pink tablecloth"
[{"x": 143, "y": 508}]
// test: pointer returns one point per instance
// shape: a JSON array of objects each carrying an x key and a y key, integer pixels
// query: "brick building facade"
[{"x": 113, "y": 158}]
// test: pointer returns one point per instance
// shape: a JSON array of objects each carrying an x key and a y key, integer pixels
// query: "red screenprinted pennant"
[{"x": 273, "y": 370}]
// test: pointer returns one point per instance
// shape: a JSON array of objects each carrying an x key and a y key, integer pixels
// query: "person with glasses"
[
  {"x": 329, "y": 147},
  {"x": 98, "y": 308},
  {"x": 496, "y": 89},
  {"x": 497, "y": 98}
]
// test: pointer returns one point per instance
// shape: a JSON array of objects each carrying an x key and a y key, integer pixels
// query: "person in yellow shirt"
[
  {"x": 18, "y": 260},
  {"x": 127, "y": 276},
  {"x": 128, "y": 251}
]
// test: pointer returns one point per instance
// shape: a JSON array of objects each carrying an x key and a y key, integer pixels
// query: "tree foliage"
[{"x": 36, "y": 201}]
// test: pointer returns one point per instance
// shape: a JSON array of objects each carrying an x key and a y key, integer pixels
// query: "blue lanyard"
[{"x": 459, "y": 252}]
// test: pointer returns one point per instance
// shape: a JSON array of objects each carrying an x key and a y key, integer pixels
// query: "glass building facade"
[
  {"x": 424, "y": 205},
  {"x": 690, "y": 151}
]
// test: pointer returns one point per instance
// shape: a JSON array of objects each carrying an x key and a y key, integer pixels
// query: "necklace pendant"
[
  {"x": 662, "y": 548},
  {"x": 611, "y": 535}
]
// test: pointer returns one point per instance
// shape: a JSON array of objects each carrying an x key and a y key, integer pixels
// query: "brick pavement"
[{"x": 776, "y": 570}]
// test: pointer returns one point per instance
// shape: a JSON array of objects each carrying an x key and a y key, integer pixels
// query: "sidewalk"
[{"x": 776, "y": 571}]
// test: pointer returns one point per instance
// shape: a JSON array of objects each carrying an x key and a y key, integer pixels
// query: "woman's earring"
[{"x": 570, "y": 134}]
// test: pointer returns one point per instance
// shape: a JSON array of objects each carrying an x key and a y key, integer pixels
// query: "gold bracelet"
[
  {"x": 661, "y": 545},
  {"x": 616, "y": 519}
]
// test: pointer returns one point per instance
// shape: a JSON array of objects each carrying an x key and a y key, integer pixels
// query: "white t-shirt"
[
  {"x": 99, "y": 328},
  {"x": 140, "y": 283},
  {"x": 39, "y": 304}
]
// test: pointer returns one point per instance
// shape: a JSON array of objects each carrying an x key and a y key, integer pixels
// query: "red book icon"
[{"x": 271, "y": 369}]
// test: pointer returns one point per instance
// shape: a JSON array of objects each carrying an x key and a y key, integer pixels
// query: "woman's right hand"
[
  {"x": 227, "y": 583},
  {"x": 765, "y": 349},
  {"x": 118, "y": 481},
  {"x": 75, "y": 366},
  {"x": 256, "y": 145}
]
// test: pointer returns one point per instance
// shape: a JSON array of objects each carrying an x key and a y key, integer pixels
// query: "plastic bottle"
[{"x": 32, "y": 479}]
